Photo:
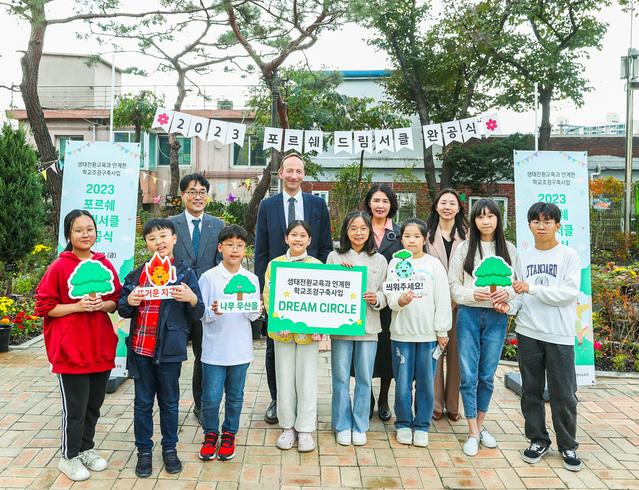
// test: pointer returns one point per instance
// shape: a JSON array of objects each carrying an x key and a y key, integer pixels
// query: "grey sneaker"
[
  {"x": 74, "y": 469},
  {"x": 92, "y": 460}
]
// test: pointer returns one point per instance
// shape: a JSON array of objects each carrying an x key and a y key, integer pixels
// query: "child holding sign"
[
  {"x": 79, "y": 338},
  {"x": 232, "y": 298},
  {"x": 157, "y": 343},
  {"x": 421, "y": 320},
  {"x": 480, "y": 264},
  {"x": 296, "y": 357},
  {"x": 357, "y": 247}
]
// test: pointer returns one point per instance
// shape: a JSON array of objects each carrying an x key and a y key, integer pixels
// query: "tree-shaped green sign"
[
  {"x": 90, "y": 276},
  {"x": 239, "y": 285},
  {"x": 403, "y": 268},
  {"x": 493, "y": 272}
]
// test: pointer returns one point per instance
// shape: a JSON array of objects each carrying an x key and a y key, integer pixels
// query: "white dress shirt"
[
  {"x": 299, "y": 205},
  {"x": 189, "y": 221}
]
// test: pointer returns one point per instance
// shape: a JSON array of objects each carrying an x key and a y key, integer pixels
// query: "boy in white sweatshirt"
[{"x": 550, "y": 274}]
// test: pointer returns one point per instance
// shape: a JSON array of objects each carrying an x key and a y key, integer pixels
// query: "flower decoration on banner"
[
  {"x": 163, "y": 119},
  {"x": 491, "y": 125},
  {"x": 231, "y": 198}
]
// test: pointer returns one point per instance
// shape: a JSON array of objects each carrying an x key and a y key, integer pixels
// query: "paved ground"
[{"x": 29, "y": 441}]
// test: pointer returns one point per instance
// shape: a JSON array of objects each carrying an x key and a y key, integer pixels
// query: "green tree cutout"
[
  {"x": 493, "y": 272},
  {"x": 239, "y": 285},
  {"x": 90, "y": 276}
]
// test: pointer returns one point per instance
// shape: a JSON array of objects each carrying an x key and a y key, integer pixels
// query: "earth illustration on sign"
[
  {"x": 493, "y": 272},
  {"x": 403, "y": 268},
  {"x": 160, "y": 271},
  {"x": 90, "y": 277}
]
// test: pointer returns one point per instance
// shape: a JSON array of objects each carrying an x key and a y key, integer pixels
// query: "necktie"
[
  {"x": 196, "y": 235},
  {"x": 291, "y": 210}
]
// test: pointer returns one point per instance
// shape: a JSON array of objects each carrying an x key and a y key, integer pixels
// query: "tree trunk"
[
  {"x": 9, "y": 291},
  {"x": 29, "y": 89},
  {"x": 174, "y": 145},
  {"x": 545, "y": 96},
  {"x": 240, "y": 296},
  {"x": 446, "y": 179},
  {"x": 359, "y": 178}
]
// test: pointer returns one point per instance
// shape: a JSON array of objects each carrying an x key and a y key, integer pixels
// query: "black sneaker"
[
  {"x": 534, "y": 453},
  {"x": 144, "y": 468},
  {"x": 571, "y": 460},
  {"x": 172, "y": 463}
]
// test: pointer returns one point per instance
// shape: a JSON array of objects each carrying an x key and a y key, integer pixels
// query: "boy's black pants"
[
  {"x": 538, "y": 361},
  {"x": 82, "y": 396}
]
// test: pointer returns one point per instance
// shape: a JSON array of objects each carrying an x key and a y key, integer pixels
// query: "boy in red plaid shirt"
[{"x": 157, "y": 346}]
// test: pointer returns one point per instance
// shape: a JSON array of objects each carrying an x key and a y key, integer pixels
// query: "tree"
[
  {"x": 33, "y": 12},
  {"x": 481, "y": 165},
  {"x": 440, "y": 70},
  {"x": 239, "y": 285},
  {"x": 493, "y": 272},
  {"x": 270, "y": 32},
  {"x": 188, "y": 45},
  {"x": 90, "y": 277},
  {"x": 559, "y": 33},
  {"x": 313, "y": 102},
  {"x": 20, "y": 198},
  {"x": 137, "y": 111}
]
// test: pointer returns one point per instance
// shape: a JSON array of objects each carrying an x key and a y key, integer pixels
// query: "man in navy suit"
[
  {"x": 272, "y": 220},
  {"x": 197, "y": 246}
]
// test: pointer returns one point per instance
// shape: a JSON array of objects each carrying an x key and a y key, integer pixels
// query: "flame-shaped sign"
[{"x": 160, "y": 271}]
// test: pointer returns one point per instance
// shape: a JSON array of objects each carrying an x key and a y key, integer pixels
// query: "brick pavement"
[{"x": 29, "y": 441}]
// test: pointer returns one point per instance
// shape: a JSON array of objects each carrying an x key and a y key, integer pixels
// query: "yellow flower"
[{"x": 5, "y": 321}]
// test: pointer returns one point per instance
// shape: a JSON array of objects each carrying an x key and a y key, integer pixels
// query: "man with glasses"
[
  {"x": 273, "y": 217},
  {"x": 197, "y": 246}
]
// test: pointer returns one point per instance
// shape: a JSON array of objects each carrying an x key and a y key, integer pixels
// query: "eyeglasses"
[
  {"x": 153, "y": 239},
  {"x": 547, "y": 223},
  {"x": 194, "y": 193},
  {"x": 230, "y": 246},
  {"x": 88, "y": 231},
  {"x": 354, "y": 229}
]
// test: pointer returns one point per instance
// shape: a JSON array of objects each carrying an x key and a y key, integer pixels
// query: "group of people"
[{"x": 405, "y": 332}]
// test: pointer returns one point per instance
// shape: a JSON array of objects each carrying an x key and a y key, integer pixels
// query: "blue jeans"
[
  {"x": 413, "y": 361},
  {"x": 218, "y": 381},
  {"x": 361, "y": 353},
  {"x": 480, "y": 339},
  {"x": 164, "y": 380}
]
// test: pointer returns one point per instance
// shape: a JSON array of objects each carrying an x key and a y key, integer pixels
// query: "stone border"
[{"x": 28, "y": 343}]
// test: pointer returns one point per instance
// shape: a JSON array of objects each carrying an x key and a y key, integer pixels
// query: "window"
[
  {"x": 322, "y": 194},
  {"x": 184, "y": 153},
  {"x": 129, "y": 137},
  {"x": 62, "y": 143},
  {"x": 502, "y": 202},
  {"x": 406, "y": 206},
  {"x": 249, "y": 155}
]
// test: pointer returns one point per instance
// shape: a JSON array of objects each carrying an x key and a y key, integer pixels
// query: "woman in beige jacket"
[{"x": 447, "y": 228}]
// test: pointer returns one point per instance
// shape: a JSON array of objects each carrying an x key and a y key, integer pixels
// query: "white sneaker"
[
  {"x": 344, "y": 437},
  {"x": 92, "y": 460},
  {"x": 359, "y": 438},
  {"x": 471, "y": 446},
  {"x": 287, "y": 439},
  {"x": 405, "y": 436},
  {"x": 420, "y": 438},
  {"x": 305, "y": 442},
  {"x": 74, "y": 469},
  {"x": 486, "y": 439}
]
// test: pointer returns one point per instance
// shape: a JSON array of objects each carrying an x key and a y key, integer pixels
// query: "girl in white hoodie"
[{"x": 421, "y": 319}]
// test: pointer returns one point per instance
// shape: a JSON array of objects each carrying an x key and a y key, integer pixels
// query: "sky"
[{"x": 330, "y": 52}]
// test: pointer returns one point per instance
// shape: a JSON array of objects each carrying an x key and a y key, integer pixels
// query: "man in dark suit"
[
  {"x": 272, "y": 220},
  {"x": 197, "y": 246}
]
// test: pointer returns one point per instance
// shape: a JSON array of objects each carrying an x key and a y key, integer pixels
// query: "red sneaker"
[
  {"x": 227, "y": 447},
  {"x": 209, "y": 446}
]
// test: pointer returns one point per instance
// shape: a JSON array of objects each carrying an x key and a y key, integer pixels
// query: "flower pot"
[{"x": 5, "y": 336}]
